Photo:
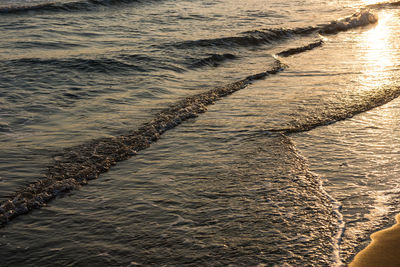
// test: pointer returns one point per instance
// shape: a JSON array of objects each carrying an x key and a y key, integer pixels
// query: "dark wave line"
[
  {"x": 77, "y": 165},
  {"x": 214, "y": 60},
  {"x": 251, "y": 38},
  {"x": 121, "y": 63},
  {"x": 101, "y": 65},
  {"x": 87, "y": 5},
  {"x": 268, "y": 36},
  {"x": 334, "y": 114},
  {"x": 298, "y": 50}
]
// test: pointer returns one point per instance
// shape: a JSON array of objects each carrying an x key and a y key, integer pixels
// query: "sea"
[{"x": 197, "y": 133}]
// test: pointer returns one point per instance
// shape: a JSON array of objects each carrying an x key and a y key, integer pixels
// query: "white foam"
[
  {"x": 336, "y": 208},
  {"x": 359, "y": 19}
]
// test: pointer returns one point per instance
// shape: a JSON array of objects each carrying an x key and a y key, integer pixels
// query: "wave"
[
  {"x": 250, "y": 38},
  {"x": 298, "y": 50},
  {"x": 213, "y": 60},
  {"x": 268, "y": 36},
  {"x": 312, "y": 181},
  {"x": 334, "y": 113},
  {"x": 77, "y": 165},
  {"x": 98, "y": 65},
  {"x": 56, "y": 6},
  {"x": 359, "y": 19},
  {"x": 117, "y": 64}
]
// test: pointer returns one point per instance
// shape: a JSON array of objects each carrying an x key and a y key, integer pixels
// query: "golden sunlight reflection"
[
  {"x": 376, "y": 47},
  {"x": 371, "y": 2}
]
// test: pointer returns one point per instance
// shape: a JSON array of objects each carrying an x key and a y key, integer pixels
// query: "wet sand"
[{"x": 384, "y": 250}]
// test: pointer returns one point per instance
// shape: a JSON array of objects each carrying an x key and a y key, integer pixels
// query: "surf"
[{"x": 78, "y": 165}]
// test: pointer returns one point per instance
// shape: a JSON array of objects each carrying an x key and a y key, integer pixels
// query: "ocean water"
[{"x": 197, "y": 133}]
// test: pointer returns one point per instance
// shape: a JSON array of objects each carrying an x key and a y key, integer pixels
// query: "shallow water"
[{"x": 230, "y": 186}]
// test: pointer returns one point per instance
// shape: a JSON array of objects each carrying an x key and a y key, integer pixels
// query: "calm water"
[{"x": 294, "y": 169}]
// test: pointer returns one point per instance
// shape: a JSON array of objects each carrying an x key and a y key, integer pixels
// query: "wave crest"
[
  {"x": 250, "y": 38},
  {"x": 359, "y": 19},
  {"x": 268, "y": 36},
  {"x": 213, "y": 60}
]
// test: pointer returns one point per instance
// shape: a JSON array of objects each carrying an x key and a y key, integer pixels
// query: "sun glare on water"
[
  {"x": 378, "y": 42},
  {"x": 377, "y": 48},
  {"x": 371, "y": 2}
]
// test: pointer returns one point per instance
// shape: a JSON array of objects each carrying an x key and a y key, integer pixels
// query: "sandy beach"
[{"x": 384, "y": 250}]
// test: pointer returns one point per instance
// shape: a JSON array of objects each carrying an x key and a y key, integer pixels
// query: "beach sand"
[{"x": 384, "y": 250}]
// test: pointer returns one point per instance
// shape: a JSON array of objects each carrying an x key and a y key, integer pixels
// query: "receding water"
[{"x": 220, "y": 133}]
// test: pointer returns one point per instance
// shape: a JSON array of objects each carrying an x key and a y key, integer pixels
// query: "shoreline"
[{"x": 381, "y": 251}]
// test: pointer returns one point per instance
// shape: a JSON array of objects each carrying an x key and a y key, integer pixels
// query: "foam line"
[
  {"x": 298, "y": 50},
  {"x": 328, "y": 115}
]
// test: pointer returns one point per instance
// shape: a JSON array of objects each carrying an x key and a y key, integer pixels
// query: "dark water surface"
[{"x": 258, "y": 133}]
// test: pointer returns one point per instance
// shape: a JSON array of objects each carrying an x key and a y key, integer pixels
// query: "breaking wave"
[
  {"x": 268, "y": 36},
  {"x": 250, "y": 38},
  {"x": 359, "y": 19}
]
